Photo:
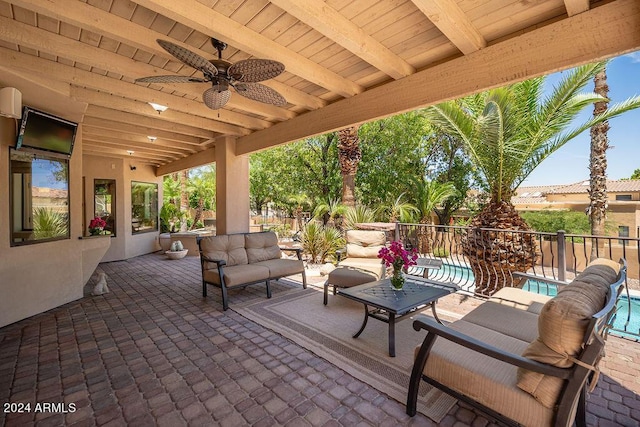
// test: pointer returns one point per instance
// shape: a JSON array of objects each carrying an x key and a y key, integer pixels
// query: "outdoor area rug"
[{"x": 327, "y": 331}]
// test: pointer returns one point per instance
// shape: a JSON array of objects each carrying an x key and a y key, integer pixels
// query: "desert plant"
[
  {"x": 320, "y": 242},
  {"x": 358, "y": 214},
  {"x": 48, "y": 223}
]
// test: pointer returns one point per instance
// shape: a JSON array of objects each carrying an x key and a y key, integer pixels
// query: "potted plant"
[
  {"x": 177, "y": 250},
  {"x": 96, "y": 226}
]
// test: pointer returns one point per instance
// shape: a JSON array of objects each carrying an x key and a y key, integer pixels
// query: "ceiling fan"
[{"x": 243, "y": 76}]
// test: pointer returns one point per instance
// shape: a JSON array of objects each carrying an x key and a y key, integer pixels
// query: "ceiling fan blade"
[
  {"x": 260, "y": 92},
  {"x": 215, "y": 99},
  {"x": 255, "y": 70},
  {"x": 190, "y": 58},
  {"x": 170, "y": 79}
]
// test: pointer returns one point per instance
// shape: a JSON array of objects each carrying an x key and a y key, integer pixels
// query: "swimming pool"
[{"x": 626, "y": 323}]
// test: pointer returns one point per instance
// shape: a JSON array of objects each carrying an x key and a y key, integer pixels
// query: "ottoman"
[{"x": 346, "y": 277}]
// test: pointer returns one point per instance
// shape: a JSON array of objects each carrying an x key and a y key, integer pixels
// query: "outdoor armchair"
[{"x": 495, "y": 360}]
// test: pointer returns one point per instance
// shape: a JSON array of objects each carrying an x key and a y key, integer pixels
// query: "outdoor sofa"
[
  {"x": 237, "y": 260},
  {"x": 520, "y": 357}
]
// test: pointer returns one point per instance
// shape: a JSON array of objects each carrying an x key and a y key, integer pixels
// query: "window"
[
  {"x": 623, "y": 197},
  {"x": 623, "y": 231},
  {"x": 104, "y": 202},
  {"x": 39, "y": 197},
  {"x": 144, "y": 207}
]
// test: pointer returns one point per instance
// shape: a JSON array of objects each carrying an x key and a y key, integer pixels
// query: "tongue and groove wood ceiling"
[{"x": 346, "y": 61}]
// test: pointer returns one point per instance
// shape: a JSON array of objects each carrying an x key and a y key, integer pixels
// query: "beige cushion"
[
  {"x": 282, "y": 267},
  {"x": 510, "y": 321},
  {"x": 518, "y": 298},
  {"x": 372, "y": 265},
  {"x": 237, "y": 275},
  {"x": 485, "y": 379},
  {"x": 562, "y": 326},
  {"x": 364, "y": 243},
  {"x": 229, "y": 248},
  {"x": 262, "y": 246},
  {"x": 346, "y": 277},
  {"x": 609, "y": 263}
]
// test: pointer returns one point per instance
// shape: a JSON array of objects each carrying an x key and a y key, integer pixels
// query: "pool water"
[{"x": 626, "y": 322}]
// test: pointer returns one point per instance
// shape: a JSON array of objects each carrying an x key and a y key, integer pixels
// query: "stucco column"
[{"x": 232, "y": 188}]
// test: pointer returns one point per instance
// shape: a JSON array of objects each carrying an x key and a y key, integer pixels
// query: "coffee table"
[{"x": 389, "y": 305}]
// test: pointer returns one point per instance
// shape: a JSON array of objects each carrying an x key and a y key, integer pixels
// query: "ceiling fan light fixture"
[
  {"x": 214, "y": 99},
  {"x": 159, "y": 108}
]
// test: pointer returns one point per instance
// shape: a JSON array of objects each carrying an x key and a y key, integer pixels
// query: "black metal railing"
[{"x": 482, "y": 260}]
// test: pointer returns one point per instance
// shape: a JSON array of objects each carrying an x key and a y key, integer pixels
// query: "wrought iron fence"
[{"x": 482, "y": 260}]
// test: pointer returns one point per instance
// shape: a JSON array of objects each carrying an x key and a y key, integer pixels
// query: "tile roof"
[{"x": 613, "y": 186}]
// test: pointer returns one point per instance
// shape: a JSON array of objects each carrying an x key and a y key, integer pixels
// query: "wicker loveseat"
[
  {"x": 524, "y": 358},
  {"x": 237, "y": 260}
]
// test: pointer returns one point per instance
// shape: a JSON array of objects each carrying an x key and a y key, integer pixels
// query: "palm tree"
[
  {"x": 598, "y": 166},
  {"x": 184, "y": 197},
  {"x": 205, "y": 190},
  {"x": 428, "y": 196},
  {"x": 349, "y": 155},
  {"x": 170, "y": 190},
  {"x": 300, "y": 202},
  {"x": 330, "y": 212},
  {"x": 507, "y": 133},
  {"x": 398, "y": 210}
]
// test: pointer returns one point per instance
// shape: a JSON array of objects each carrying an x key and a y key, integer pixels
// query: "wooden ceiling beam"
[
  {"x": 164, "y": 137},
  {"x": 202, "y": 18},
  {"x": 205, "y": 157},
  {"x": 447, "y": 16},
  {"x": 330, "y": 23},
  {"x": 141, "y": 140},
  {"x": 98, "y": 146},
  {"x": 42, "y": 40},
  {"x": 138, "y": 148},
  {"x": 575, "y": 7},
  {"x": 154, "y": 121},
  {"x": 101, "y": 22},
  {"x": 142, "y": 108},
  {"x": 600, "y": 33}
]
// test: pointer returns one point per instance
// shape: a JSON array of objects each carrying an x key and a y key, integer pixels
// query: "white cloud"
[{"x": 634, "y": 56}]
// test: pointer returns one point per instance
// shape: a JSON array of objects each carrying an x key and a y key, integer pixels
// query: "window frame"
[
  {"x": 42, "y": 155},
  {"x": 156, "y": 226}
]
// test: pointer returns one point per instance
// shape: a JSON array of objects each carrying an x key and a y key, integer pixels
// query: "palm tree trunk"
[
  {"x": 598, "y": 168},
  {"x": 497, "y": 244},
  {"x": 184, "y": 198},
  {"x": 349, "y": 155}
]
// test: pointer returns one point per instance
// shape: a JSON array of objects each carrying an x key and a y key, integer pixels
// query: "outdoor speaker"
[{"x": 10, "y": 102}]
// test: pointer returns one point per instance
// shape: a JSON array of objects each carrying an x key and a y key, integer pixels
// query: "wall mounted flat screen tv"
[{"x": 44, "y": 131}]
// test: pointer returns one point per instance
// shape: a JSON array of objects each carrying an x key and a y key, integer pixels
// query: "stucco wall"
[
  {"x": 38, "y": 277},
  {"x": 125, "y": 244}
]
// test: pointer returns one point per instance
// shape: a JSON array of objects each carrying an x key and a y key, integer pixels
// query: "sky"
[{"x": 570, "y": 164}]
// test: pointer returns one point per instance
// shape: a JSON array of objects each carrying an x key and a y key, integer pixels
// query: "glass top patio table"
[{"x": 389, "y": 305}]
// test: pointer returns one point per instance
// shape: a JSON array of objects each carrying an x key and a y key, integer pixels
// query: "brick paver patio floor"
[{"x": 154, "y": 352}]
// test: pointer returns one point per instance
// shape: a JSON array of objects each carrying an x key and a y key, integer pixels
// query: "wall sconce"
[
  {"x": 132, "y": 167},
  {"x": 159, "y": 108},
  {"x": 152, "y": 138}
]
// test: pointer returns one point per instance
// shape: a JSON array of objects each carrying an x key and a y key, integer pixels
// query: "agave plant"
[
  {"x": 320, "y": 242},
  {"x": 48, "y": 223},
  {"x": 357, "y": 215}
]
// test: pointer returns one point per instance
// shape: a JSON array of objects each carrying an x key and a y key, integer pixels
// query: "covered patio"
[{"x": 154, "y": 352}]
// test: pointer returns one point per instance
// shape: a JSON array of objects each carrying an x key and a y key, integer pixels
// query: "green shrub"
[
  {"x": 320, "y": 242},
  {"x": 47, "y": 224}
]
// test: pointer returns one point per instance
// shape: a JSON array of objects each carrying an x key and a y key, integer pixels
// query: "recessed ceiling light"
[
  {"x": 130, "y": 152},
  {"x": 159, "y": 108},
  {"x": 152, "y": 138}
]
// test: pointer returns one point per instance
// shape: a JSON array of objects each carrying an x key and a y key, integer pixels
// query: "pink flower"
[
  {"x": 97, "y": 222},
  {"x": 397, "y": 256}
]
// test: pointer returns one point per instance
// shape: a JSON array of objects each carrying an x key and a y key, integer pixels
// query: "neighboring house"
[{"x": 623, "y": 210}]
